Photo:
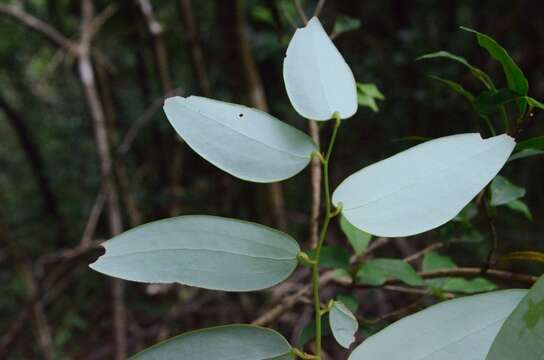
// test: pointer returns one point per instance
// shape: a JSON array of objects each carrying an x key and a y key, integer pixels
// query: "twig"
[
  {"x": 290, "y": 301},
  {"x": 139, "y": 124},
  {"x": 300, "y": 11},
  {"x": 424, "y": 251},
  {"x": 319, "y": 7},
  {"x": 474, "y": 272},
  {"x": 94, "y": 216},
  {"x": 315, "y": 179},
  {"x": 100, "y": 19},
  {"x": 392, "y": 314}
]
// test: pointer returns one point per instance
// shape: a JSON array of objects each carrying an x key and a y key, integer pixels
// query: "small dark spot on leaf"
[{"x": 240, "y": 115}]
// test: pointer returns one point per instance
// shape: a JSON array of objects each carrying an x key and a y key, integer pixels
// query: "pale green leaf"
[
  {"x": 423, "y": 187},
  {"x": 522, "y": 335},
  {"x": 203, "y": 251},
  {"x": 344, "y": 24},
  {"x": 452, "y": 330},
  {"x": 520, "y": 206},
  {"x": 343, "y": 324},
  {"x": 357, "y": 238},
  {"x": 245, "y": 142},
  {"x": 377, "y": 271},
  {"x": 317, "y": 79},
  {"x": 504, "y": 192},
  {"x": 230, "y": 342}
]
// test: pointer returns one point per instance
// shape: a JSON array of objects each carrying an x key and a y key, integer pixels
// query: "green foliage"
[
  {"x": 357, "y": 238},
  {"x": 376, "y": 272},
  {"x": 521, "y": 335},
  {"x": 367, "y": 94},
  {"x": 343, "y": 24}
]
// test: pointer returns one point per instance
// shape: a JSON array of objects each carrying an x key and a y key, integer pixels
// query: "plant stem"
[{"x": 323, "y": 234}]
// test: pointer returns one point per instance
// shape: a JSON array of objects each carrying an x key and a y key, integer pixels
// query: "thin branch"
[
  {"x": 475, "y": 272},
  {"x": 315, "y": 180},
  {"x": 421, "y": 253},
  {"x": 99, "y": 20},
  {"x": 139, "y": 124},
  {"x": 300, "y": 11},
  {"x": 94, "y": 216},
  {"x": 319, "y": 7},
  {"x": 40, "y": 26}
]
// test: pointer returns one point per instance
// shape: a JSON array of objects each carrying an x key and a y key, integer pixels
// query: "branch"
[
  {"x": 475, "y": 272},
  {"x": 300, "y": 11},
  {"x": 40, "y": 26},
  {"x": 319, "y": 7}
]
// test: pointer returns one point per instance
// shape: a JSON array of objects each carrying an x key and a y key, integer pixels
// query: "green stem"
[{"x": 323, "y": 234}]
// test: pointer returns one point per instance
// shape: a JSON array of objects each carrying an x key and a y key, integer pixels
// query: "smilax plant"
[{"x": 412, "y": 192}]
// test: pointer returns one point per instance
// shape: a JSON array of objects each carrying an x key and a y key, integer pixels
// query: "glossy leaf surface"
[
  {"x": 457, "y": 329},
  {"x": 203, "y": 251},
  {"x": 423, "y": 187},
  {"x": 317, "y": 78},
  {"x": 231, "y": 342},
  {"x": 245, "y": 142}
]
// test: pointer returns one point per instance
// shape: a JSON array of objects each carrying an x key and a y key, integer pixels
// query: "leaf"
[
  {"x": 514, "y": 76},
  {"x": 245, "y": 142},
  {"x": 433, "y": 261},
  {"x": 489, "y": 102},
  {"x": 535, "y": 103},
  {"x": 520, "y": 206},
  {"x": 357, "y": 238},
  {"x": 308, "y": 332},
  {"x": 525, "y": 153},
  {"x": 344, "y": 24},
  {"x": 332, "y": 256},
  {"x": 478, "y": 73},
  {"x": 240, "y": 342},
  {"x": 452, "y": 330},
  {"x": 458, "y": 88},
  {"x": 350, "y": 301},
  {"x": 317, "y": 78},
  {"x": 370, "y": 90},
  {"x": 468, "y": 286},
  {"x": 529, "y": 147},
  {"x": 522, "y": 334},
  {"x": 343, "y": 324},
  {"x": 376, "y": 272},
  {"x": 536, "y": 143},
  {"x": 203, "y": 251},
  {"x": 423, "y": 187},
  {"x": 504, "y": 192},
  {"x": 367, "y": 95}
]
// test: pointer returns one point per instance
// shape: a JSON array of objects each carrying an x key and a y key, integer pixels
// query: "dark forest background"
[{"x": 86, "y": 151}]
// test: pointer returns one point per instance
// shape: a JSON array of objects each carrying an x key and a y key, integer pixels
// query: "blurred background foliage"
[{"x": 50, "y": 173}]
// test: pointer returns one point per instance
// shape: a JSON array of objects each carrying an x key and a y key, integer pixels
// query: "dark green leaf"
[
  {"x": 357, "y": 238},
  {"x": 525, "y": 153},
  {"x": 522, "y": 334},
  {"x": 489, "y": 102},
  {"x": 458, "y": 88},
  {"x": 536, "y": 143},
  {"x": 332, "y": 256},
  {"x": 350, "y": 301},
  {"x": 479, "y": 74},
  {"x": 308, "y": 332},
  {"x": 377, "y": 271},
  {"x": 514, "y": 76}
]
